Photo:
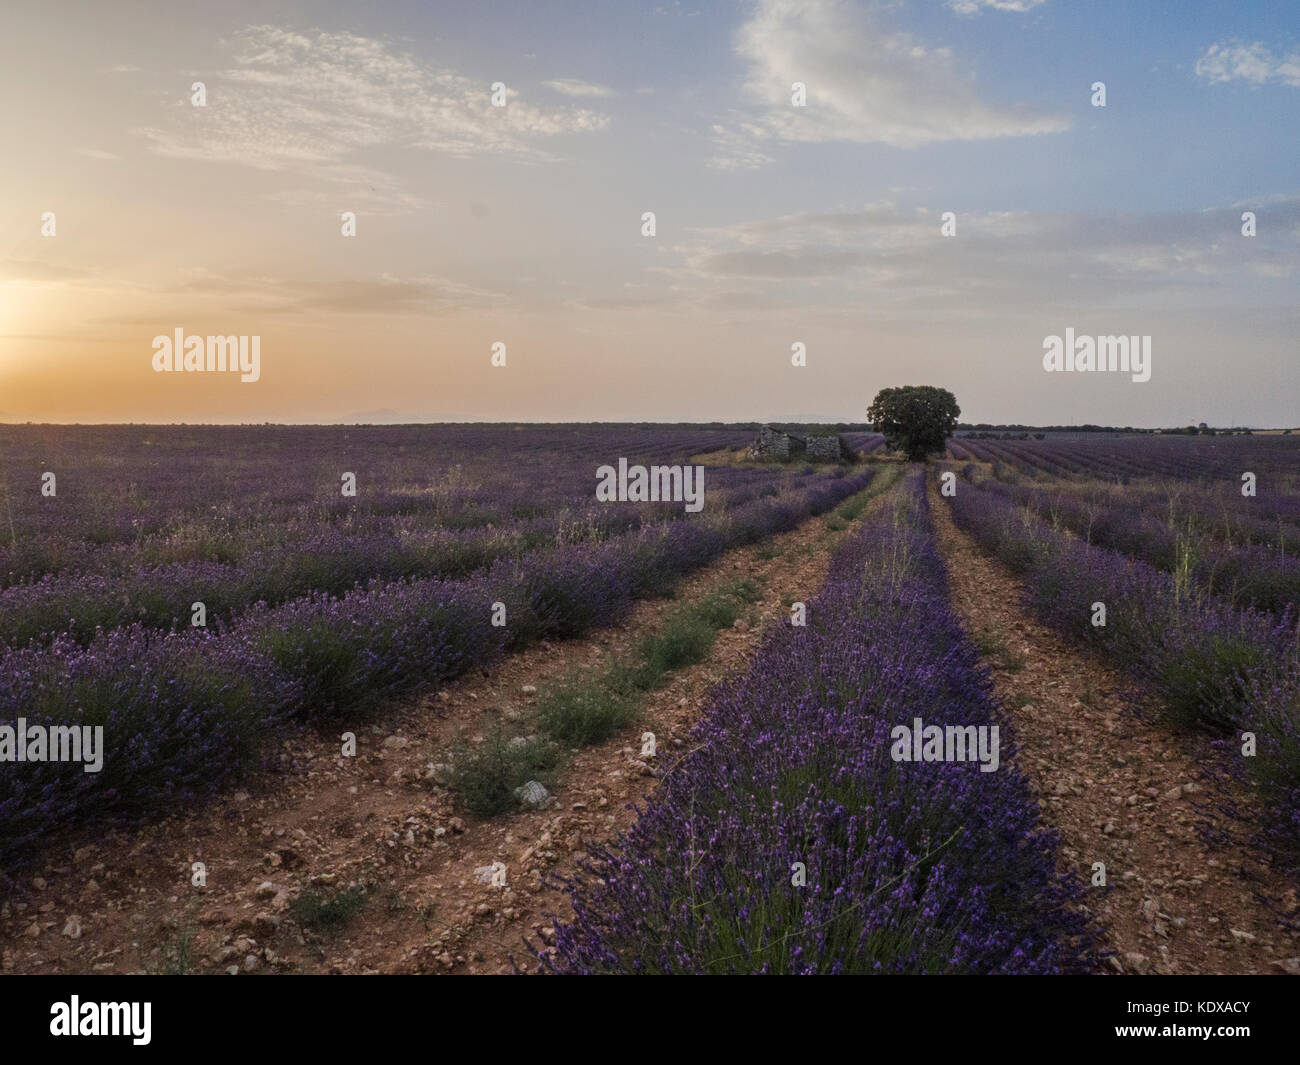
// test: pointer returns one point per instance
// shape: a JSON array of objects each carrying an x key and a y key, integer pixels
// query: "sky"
[{"x": 128, "y": 211}]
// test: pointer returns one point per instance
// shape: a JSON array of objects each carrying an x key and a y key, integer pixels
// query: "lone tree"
[{"x": 915, "y": 419}]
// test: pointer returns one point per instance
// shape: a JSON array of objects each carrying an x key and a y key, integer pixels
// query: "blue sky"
[{"x": 775, "y": 224}]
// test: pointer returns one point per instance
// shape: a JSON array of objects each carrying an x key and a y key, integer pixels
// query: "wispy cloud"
[
  {"x": 307, "y": 102},
  {"x": 738, "y": 146},
  {"x": 389, "y": 294},
  {"x": 865, "y": 84},
  {"x": 1253, "y": 63},
  {"x": 576, "y": 87},
  {"x": 884, "y": 255},
  {"x": 30, "y": 271},
  {"x": 974, "y": 7}
]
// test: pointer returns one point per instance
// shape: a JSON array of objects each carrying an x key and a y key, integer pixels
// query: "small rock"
[
  {"x": 395, "y": 742},
  {"x": 265, "y": 890},
  {"x": 483, "y": 873},
  {"x": 1242, "y": 937},
  {"x": 250, "y": 963},
  {"x": 72, "y": 927},
  {"x": 1290, "y": 966},
  {"x": 533, "y": 794},
  {"x": 38, "y": 882},
  {"x": 530, "y": 689},
  {"x": 1139, "y": 963}
]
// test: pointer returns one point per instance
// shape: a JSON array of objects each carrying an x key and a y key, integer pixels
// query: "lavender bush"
[
  {"x": 1216, "y": 668},
  {"x": 927, "y": 867}
]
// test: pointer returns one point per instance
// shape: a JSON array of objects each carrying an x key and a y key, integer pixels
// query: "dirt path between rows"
[
  {"x": 125, "y": 902},
  {"x": 1187, "y": 891}
]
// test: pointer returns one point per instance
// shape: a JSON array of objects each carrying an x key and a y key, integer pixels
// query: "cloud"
[
  {"x": 801, "y": 263},
  {"x": 864, "y": 83},
  {"x": 1254, "y": 63},
  {"x": 308, "y": 101},
  {"x": 354, "y": 187},
  {"x": 973, "y": 7},
  {"x": 29, "y": 271},
  {"x": 576, "y": 87},
  {"x": 95, "y": 153},
  {"x": 738, "y": 146},
  {"x": 421, "y": 294},
  {"x": 884, "y": 256}
]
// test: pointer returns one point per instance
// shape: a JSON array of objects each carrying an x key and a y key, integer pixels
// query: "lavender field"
[
  {"x": 214, "y": 598},
  {"x": 315, "y": 604}
]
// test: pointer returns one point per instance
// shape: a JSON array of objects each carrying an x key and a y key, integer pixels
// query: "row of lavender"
[
  {"x": 123, "y": 497},
  {"x": 181, "y": 712},
  {"x": 1234, "y": 672},
  {"x": 1178, "y": 536},
  {"x": 486, "y": 494},
  {"x": 1126, "y": 458},
  {"x": 791, "y": 841},
  {"x": 324, "y": 557}
]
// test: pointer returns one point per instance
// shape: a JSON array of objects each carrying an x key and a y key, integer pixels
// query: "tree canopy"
[{"x": 915, "y": 419}]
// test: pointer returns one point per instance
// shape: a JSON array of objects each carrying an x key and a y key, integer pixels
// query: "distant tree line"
[{"x": 988, "y": 431}]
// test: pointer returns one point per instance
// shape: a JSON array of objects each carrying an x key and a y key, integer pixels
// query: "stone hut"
[
  {"x": 824, "y": 448},
  {"x": 774, "y": 443}
]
